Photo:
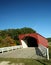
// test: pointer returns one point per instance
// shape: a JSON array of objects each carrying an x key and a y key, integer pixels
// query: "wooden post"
[{"x": 47, "y": 54}]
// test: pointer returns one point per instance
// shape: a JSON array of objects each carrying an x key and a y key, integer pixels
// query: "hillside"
[
  {"x": 49, "y": 39},
  {"x": 9, "y": 37}
]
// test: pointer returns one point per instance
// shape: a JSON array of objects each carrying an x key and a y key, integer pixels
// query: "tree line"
[
  {"x": 10, "y": 37},
  {"x": 49, "y": 39}
]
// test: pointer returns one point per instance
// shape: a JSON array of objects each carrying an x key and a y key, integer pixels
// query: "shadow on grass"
[
  {"x": 45, "y": 62},
  {"x": 41, "y": 62}
]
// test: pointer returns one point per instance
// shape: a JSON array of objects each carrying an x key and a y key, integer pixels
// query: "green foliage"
[
  {"x": 7, "y": 41},
  {"x": 50, "y": 52},
  {"x": 0, "y": 39},
  {"x": 49, "y": 39},
  {"x": 27, "y": 30},
  {"x": 13, "y": 33},
  {"x": 17, "y": 42},
  {"x": 21, "y": 60}
]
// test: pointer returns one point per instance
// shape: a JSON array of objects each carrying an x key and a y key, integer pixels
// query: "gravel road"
[{"x": 21, "y": 53}]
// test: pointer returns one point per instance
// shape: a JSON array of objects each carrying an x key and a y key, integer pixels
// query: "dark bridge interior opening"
[{"x": 31, "y": 41}]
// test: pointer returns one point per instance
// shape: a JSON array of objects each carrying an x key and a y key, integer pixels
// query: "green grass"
[
  {"x": 49, "y": 43},
  {"x": 45, "y": 62},
  {"x": 50, "y": 52},
  {"x": 25, "y": 61}
]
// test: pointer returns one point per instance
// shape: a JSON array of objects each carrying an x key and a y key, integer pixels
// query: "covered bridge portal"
[
  {"x": 33, "y": 40},
  {"x": 30, "y": 41},
  {"x": 37, "y": 41}
]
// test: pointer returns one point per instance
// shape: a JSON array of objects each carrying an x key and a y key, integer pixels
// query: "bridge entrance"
[{"x": 30, "y": 41}]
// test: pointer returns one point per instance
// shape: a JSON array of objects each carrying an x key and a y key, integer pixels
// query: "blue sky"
[{"x": 35, "y": 14}]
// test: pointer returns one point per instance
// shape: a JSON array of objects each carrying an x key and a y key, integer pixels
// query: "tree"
[
  {"x": 26, "y": 30},
  {"x": 10, "y": 41},
  {"x": 9, "y": 37}
]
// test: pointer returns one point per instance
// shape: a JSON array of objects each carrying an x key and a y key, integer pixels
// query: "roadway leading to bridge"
[{"x": 22, "y": 53}]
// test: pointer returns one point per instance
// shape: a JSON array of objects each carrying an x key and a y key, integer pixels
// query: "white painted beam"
[{"x": 24, "y": 44}]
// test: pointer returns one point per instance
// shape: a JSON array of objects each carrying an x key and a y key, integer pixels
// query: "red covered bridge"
[
  {"x": 33, "y": 40},
  {"x": 37, "y": 41}
]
